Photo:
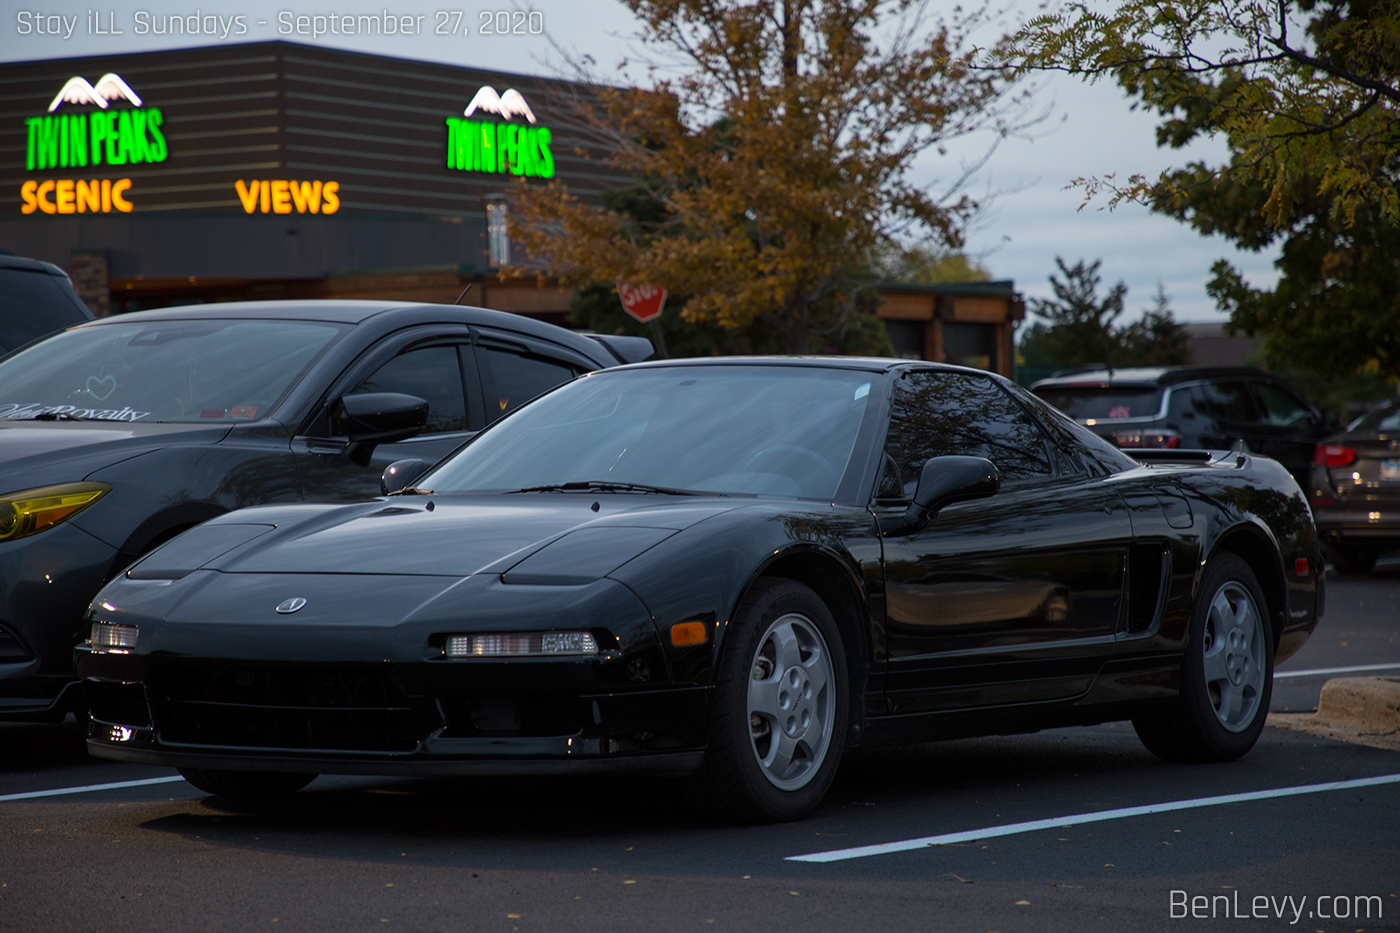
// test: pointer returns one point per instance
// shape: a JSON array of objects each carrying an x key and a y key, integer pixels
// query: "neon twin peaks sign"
[
  {"x": 481, "y": 146},
  {"x": 106, "y": 136},
  {"x": 108, "y": 87}
]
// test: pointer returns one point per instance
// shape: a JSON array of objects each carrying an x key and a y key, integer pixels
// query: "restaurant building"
[{"x": 281, "y": 170}]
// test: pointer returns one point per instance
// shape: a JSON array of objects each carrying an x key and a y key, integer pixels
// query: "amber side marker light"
[{"x": 685, "y": 634}]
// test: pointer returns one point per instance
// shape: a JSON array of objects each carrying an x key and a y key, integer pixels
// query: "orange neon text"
[
  {"x": 69, "y": 196},
  {"x": 286, "y": 197}
]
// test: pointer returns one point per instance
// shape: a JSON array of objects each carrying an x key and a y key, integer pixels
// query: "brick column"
[{"x": 88, "y": 269}]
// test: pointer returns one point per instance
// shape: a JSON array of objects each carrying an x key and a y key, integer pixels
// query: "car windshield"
[
  {"x": 760, "y": 430},
  {"x": 1103, "y": 402},
  {"x": 191, "y": 370},
  {"x": 1384, "y": 417}
]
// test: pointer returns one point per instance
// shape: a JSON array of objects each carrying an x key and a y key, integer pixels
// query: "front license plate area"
[{"x": 1390, "y": 470}]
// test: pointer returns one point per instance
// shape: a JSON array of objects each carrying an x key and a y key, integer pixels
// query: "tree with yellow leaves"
[{"x": 774, "y": 168}]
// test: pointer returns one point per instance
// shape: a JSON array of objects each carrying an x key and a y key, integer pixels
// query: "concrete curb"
[{"x": 1362, "y": 710}]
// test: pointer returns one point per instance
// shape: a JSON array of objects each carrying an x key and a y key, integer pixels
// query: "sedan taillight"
[
  {"x": 1168, "y": 439},
  {"x": 1333, "y": 455}
]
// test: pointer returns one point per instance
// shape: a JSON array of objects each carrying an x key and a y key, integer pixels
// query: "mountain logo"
[
  {"x": 109, "y": 87},
  {"x": 508, "y": 105}
]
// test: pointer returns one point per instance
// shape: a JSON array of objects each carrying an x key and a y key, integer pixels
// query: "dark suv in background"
[
  {"x": 1209, "y": 407},
  {"x": 36, "y": 298}
]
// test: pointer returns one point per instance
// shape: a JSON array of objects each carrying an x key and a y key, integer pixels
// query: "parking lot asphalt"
[{"x": 1032, "y": 829}]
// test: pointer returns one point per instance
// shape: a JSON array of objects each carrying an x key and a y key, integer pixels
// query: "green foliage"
[
  {"x": 923, "y": 265},
  {"x": 1307, "y": 97},
  {"x": 1306, "y": 92},
  {"x": 1080, "y": 330}
]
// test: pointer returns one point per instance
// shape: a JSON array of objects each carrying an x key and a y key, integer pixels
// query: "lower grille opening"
[
  {"x": 118, "y": 703},
  {"x": 299, "y": 709},
  {"x": 535, "y": 715}
]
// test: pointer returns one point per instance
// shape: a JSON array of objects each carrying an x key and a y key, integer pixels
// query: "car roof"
[
  {"x": 1147, "y": 376},
  {"x": 12, "y": 263},
  {"x": 357, "y": 312},
  {"x": 866, "y": 363}
]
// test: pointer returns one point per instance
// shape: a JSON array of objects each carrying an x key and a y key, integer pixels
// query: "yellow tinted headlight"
[{"x": 32, "y": 510}]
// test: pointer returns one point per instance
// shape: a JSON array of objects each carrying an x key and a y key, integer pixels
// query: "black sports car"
[
  {"x": 731, "y": 570},
  {"x": 119, "y": 434}
]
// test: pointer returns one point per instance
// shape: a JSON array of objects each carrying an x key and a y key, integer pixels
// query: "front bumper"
[
  {"x": 46, "y": 582},
  {"x": 425, "y": 718}
]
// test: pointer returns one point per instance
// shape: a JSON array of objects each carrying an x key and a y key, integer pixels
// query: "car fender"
[{"x": 703, "y": 573}]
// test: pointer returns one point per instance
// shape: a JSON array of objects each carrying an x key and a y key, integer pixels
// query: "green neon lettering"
[
  {"x": 486, "y": 150},
  {"x": 77, "y": 140},
  {"x": 48, "y": 143},
  {"x": 31, "y": 149},
  {"x": 156, "y": 148},
  {"x": 546, "y": 163},
  {"x": 97, "y": 133},
  {"x": 454, "y": 144},
  {"x": 139, "y": 151}
]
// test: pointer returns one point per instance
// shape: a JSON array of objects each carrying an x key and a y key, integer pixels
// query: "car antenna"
[{"x": 464, "y": 293}]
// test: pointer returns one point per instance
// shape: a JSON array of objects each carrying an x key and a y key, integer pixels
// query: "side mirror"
[
  {"x": 945, "y": 480},
  {"x": 400, "y": 475},
  {"x": 382, "y": 417}
]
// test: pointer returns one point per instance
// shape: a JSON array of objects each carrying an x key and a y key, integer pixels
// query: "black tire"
[
  {"x": 1352, "y": 561},
  {"x": 246, "y": 785},
  {"x": 1229, "y": 659},
  {"x": 747, "y": 776}
]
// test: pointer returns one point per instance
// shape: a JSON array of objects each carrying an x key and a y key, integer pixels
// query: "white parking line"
[
  {"x": 89, "y": 788},
  {"x": 1319, "y": 671},
  {"x": 1012, "y": 829}
]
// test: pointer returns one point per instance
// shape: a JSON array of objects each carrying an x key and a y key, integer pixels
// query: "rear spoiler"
[
  {"x": 626, "y": 349},
  {"x": 1168, "y": 455}
]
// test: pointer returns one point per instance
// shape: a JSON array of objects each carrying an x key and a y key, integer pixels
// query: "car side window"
[
  {"x": 1281, "y": 407},
  {"x": 934, "y": 414},
  {"x": 431, "y": 373},
  {"x": 517, "y": 377},
  {"x": 1225, "y": 401}
]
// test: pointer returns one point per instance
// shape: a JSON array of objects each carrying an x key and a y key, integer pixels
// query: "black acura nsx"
[{"x": 727, "y": 570}]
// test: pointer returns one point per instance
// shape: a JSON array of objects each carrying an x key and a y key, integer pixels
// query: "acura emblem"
[{"x": 291, "y": 605}]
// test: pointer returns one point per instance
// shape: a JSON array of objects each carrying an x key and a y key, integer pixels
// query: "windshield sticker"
[
  {"x": 243, "y": 411},
  {"x": 212, "y": 413},
  {"x": 14, "y": 412},
  {"x": 101, "y": 388}
]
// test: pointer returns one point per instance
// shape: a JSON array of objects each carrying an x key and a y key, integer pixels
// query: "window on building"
[{"x": 497, "y": 231}]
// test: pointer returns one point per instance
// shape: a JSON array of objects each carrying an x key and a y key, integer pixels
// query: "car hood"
[
  {"x": 54, "y": 444},
  {"x": 544, "y": 538}
]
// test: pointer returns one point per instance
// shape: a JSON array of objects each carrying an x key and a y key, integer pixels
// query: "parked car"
[
  {"x": 1355, "y": 489},
  {"x": 36, "y": 298},
  {"x": 1204, "y": 407},
  {"x": 117, "y": 435},
  {"x": 728, "y": 569}
]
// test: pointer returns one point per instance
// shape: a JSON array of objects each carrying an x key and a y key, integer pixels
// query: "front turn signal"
[{"x": 32, "y": 510}]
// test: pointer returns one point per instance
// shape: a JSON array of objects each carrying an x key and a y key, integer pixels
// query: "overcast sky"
[{"x": 1033, "y": 217}]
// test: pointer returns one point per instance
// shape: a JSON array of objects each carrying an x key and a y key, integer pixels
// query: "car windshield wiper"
[
  {"x": 57, "y": 416},
  {"x": 601, "y": 485}
]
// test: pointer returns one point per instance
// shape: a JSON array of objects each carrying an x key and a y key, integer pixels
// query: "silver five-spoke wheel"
[
  {"x": 1234, "y": 656},
  {"x": 790, "y": 701}
]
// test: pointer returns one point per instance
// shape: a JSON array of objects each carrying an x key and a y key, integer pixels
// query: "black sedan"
[
  {"x": 117, "y": 435},
  {"x": 1355, "y": 489},
  {"x": 726, "y": 570}
]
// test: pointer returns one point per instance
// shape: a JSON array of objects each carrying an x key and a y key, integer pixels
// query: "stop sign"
[{"x": 643, "y": 302}]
